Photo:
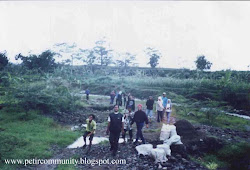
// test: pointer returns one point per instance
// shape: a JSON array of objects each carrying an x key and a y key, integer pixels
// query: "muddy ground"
[{"x": 197, "y": 140}]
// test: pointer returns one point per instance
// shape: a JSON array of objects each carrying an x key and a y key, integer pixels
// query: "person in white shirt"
[
  {"x": 168, "y": 110},
  {"x": 159, "y": 109}
]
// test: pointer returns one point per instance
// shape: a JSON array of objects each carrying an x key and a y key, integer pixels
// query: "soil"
[{"x": 196, "y": 140}]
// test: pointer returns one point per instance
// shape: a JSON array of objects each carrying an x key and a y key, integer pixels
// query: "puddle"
[
  {"x": 96, "y": 140},
  {"x": 238, "y": 115}
]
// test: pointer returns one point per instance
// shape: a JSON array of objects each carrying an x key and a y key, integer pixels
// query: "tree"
[
  {"x": 126, "y": 60},
  {"x": 202, "y": 63},
  {"x": 90, "y": 57},
  {"x": 102, "y": 54},
  {"x": 3, "y": 60},
  {"x": 44, "y": 61},
  {"x": 154, "y": 55}
]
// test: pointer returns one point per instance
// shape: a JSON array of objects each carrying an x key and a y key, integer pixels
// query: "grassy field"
[{"x": 30, "y": 135}]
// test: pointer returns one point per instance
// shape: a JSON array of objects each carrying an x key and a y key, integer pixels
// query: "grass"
[
  {"x": 222, "y": 120},
  {"x": 30, "y": 138}
]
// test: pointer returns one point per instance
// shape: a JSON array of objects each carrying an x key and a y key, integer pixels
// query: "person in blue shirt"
[
  {"x": 87, "y": 92},
  {"x": 164, "y": 101}
]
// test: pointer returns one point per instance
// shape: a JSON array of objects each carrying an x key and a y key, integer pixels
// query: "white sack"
[
  {"x": 159, "y": 155},
  {"x": 144, "y": 149},
  {"x": 165, "y": 132},
  {"x": 166, "y": 148},
  {"x": 176, "y": 139}
]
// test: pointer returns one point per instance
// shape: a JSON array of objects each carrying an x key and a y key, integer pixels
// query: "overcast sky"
[{"x": 180, "y": 30}]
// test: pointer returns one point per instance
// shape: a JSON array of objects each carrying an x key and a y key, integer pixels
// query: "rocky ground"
[{"x": 196, "y": 140}]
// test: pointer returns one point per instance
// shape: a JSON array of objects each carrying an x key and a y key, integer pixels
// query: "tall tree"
[
  {"x": 154, "y": 56},
  {"x": 90, "y": 57},
  {"x": 3, "y": 60},
  {"x": 102, "y": 53},
  {"x": 202, "y": 63}
]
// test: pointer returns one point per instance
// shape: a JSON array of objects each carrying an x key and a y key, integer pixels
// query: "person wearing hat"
[{"x": 139, "y": 118}]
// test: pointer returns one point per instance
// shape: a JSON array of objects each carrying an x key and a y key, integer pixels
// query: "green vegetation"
[
  {"x": 30, "y": 135},
  {"x": 39, "y": 87},
  {"x": 231, "y": 156}
]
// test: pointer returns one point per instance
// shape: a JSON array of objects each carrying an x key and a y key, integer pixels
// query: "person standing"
[
  {"x": 164, "y": 101},
  {"x": 149, "y": 110},
  {"x": 87, "y": 92},
  {"x": 112, "y": 97},
  {"x": 131, "y": 103},
  {"x": 168, "y": 110},
  {"x": 90, "y": 131},
  {"x": 124, "y": 99},
  {"x": 128, "y": 116},
  {"x": 139, "y": 118},
  {"x": 115, "y": 127},
  {"x": 159, "y": 109}
]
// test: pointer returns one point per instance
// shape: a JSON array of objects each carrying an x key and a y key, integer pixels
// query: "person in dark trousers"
[
  {"x": 87, "y": 92},
  {"x": 131, "y": 103},
  {"x": 90, "y": 131},
  {"x": 159, "y": 109},
  {"x": 149, "y": 110},
  {"x": 128, "y": 116},
  {"x": 115, "y": 127},
  {"x": 120, "y": 98},
  {"x": 112, "y": 97},
  {"x": 139, "y": 118},
  {"x": 124, "y": 99}
]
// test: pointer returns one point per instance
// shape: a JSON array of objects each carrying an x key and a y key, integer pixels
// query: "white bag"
[
  {"x": 159, "y": 155},
  {"x": 144, "y": 149},
  {"x": 176, "y": 139},
  {"x": 165, "y": 132},
  {"x": 166, "y": 148}
]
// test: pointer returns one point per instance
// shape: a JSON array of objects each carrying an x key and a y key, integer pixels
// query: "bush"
[{"x": 237, "y": 155}]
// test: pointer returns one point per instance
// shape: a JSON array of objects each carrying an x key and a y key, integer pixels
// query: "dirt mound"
[{"x": 185, "y": 129}]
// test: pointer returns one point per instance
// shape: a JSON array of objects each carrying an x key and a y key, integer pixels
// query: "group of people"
[
  {"x": 122, "y": 99},
  {"x": 122, "y": 123}
]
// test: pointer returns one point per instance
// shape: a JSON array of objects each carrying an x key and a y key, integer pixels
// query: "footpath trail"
[
  {"x": 126, "y": 151},
  {"x": 99, "y": 105}
]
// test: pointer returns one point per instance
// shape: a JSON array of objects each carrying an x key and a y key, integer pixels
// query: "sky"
[{"x": 180, "y": 30}]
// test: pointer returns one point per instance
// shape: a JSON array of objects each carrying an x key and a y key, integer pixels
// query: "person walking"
[
  {"x": 87, "y": 92},
  {"x": 168, "y": 110},
  {"x": 115, "y": 127},
  {"x": 112, "y": 97},
  {"x": 164, "y": 101},
  {"x": 131, "y": 103},
  {"x": 139, "y": 118},
  {"x": 149, "y": 110},
  {"x": 124, "y": 99},
  {"x": 128, "y": 116},
  {"x": 159, "y": 109},
  {"x": 90, "y": 131}
]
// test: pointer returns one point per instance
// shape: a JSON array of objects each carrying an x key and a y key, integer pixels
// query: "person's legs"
[
  {"x": 124, "y": 135},
  {"x": 140, "y": 132},
  {"x": 111, "y": 141},
  {"x": 150, "y": 115},
  {"x": 90, "y": 140},
  {"x": 158, "y": 115},
  {"x": 168, "y": 117},
  {"x": 161, "y": 115},
  {"x": 87, "y": 96},
  {"x": 84, "y": 138},
  {"x": 116, "y": 140},
  {"x": 131, "y": 134},
  {"x": 137, "y": 133}
]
